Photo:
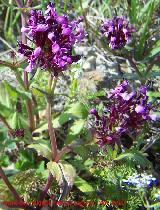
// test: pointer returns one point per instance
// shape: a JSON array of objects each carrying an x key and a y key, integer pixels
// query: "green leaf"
[
  {"x": 133, "y": 13},
  {"x": 5, "y": 111},
  {"x": 43, "y": 148},
  {"x": 153, "y": 94},
  {"x": 88, "y": 163},
  {"x": 75, "y": 130},
  {"x": 81, "y": 151},
  {"x": 144, "y": 11},
  {"x": 15, "y": 121},
  {"x": 83, "y": 185},
  {"x": 55, "y": 170},
  {"x": 61, "y": 171},
  {"x": 69, "y": 172},
  {"x": 115, "y": 151},
  {"x": 78, "y": 110},
  {"x": 41, "y": 167},
  {"x": 17, "y": 92},
  {"x": 136, "y": 158},
  {"x": 77, "y": 127},
  {"x": 155, "y": 51},
  {"x": 41, "y": 128},
  {"x": 61, "y": 119},
  {"x": 4, "y": 161},
  {"x": 144, "y": 32},
  {"x": 4, "y": 96}
]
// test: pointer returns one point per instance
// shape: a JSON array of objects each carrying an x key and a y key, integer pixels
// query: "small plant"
[{"x": 101, "y": 150}]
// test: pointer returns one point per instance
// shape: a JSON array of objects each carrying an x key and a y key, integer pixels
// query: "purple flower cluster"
[
  {"x": 19, "y": 132},
  {"x": 126, "y": 111},
  {"x": 117, "y": 31},
  {"x": 53, "y": 36}
]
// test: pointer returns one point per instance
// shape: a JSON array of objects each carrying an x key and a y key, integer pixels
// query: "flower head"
[
  {"x": 53, "y": 36},
  {"x": 117, "y": 31},
  {"x": 127, "y": 110}
]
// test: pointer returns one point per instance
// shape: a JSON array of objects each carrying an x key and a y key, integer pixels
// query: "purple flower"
[
  {"x": 126, "y": 111},
  {"x": 54, "y": 37},
  {"x": 94, "y": 112},
  {"x": 19, "y": 132},
  {"x": 154, "y": 117},
  {"x": 119, "y": 89},
  {"x": 117, "y": 31},
  {"x": 140, "y": 109}
]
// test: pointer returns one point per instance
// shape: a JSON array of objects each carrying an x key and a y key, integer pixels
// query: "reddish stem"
[
  {"x": 28, "y": 102},
  {"x": 10, "y": 187}
]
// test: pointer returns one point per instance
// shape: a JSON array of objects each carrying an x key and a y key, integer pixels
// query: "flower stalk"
[
  {"x": 51, "y": 88},
  {"x": 28, "y": 102}
]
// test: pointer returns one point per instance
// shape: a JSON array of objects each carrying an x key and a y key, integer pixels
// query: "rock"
[
  {"x": 90, "y": 64},
  {"x": 8, "y": 75}
]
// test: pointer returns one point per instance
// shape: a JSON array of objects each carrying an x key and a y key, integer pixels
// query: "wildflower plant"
[
  {"x": 47, "y": 43},
  {"x": 52, "y": 151},
  {"x": 126, "y": 111}
]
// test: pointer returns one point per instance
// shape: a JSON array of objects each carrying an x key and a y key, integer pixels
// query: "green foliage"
[
  {"x": 78, "y": 110},
  {"x": 15, "y": 92},
  {"x": 109, "y": 177},
  {"x": 62, "y": 172},
  {"x": 87, "y": 172},
  {"x": 83, "y": 185},
  {"x": 148, "y": 9},
  {"x": 28, "y": 183},
  {"x": 74, "y": 130},
  {"x": 135, "y": 158},
  {"x": 26, "y": 160},
  {"x": 43, "y": 148}
]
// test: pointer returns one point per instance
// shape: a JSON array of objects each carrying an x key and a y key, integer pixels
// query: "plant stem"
[
  {"x": 14, "y": 192},
  {"x": 6, "y": 124},
  {"x": 28, "y": 102},
  {"x": 55, "y": 154},
  {"x": 51, "y": 88},
  {"x": 4, "y": 63},
  {"x": 133, "y": 64},
  {"x": 10, "y": 187},
  {"x": 149, "y": 68},
  {"x": 46, "y": 188},
  {"x": 36, "y": 105},
  {"x": 62, "y": 152},
  {"x": 18, "y": 77}
]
